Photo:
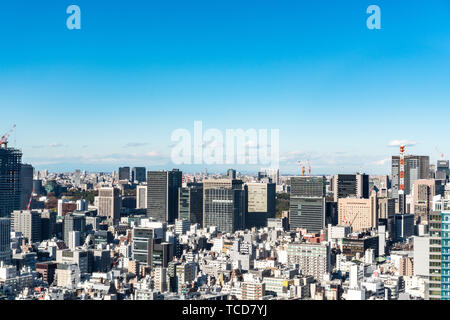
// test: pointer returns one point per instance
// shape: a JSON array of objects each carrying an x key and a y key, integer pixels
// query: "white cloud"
[{"x": 398, "y": 143}]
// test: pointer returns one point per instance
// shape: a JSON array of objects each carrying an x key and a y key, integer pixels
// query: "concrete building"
[
  {"x": 360, "y": 214},
  {"x": 313, "y": 259},
  {"x": 224, "y": 204},
  {"x": 141, "y": 197},
  {"x": 162, "y": 194},
  {"x": 307, "y": 208},
  {"x": 5, "y": 240},
  {"x": 28, "y": 222},
  {"x": 109, "y": 204},
  {"x": 416, "y": 167},
  {"x": 350, "y": 185},
  {"x": 190, "y": 203},
  {"x": 261, "y": 204},
  {"x": 10, "y": 185}
]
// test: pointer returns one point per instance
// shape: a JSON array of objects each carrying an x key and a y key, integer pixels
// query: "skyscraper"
[
  {"x": 162, "y": 194},
  {"x": 29, "y": 223},
  {"x": 74, "y": 222},
  {"x": 442, "y": 170},
  {"x": 5, "y": 240},
  {"x": 138, "y": 174},
  {"x": 350, "y": 186},
  {"x": 10, "y": 190},
  {"x": 423, "y": 193},
  {"x": 124, "y": 173},
  {"x": 416, "y": 167},
  {"x": 307, "y": 207},
  {"x": 26, "y": 181},
  {"x": 224, "y": 204},
  {"x": 109, "y": 204},
  {"x": 141, "y": 197},
  {"x": 261, "y": 204},
  {"x": 190, "y": 203}
]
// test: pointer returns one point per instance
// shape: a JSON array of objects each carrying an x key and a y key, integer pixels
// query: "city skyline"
[{"x": 112, "y": 93}]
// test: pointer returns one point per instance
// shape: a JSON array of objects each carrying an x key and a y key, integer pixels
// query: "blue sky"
[{"x": 112, "y": 93}]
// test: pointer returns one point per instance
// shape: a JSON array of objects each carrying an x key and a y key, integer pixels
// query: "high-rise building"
[
  {"x": 231, "y": 173},
  {"x": 442, "y": 170},
  {"x": 76, "y": 180},
  {"x": 124, "y": 173},
  {"x": 307, "y": 207},
  {"x": 416, "y": 167},
  {"x": 26, "y": 181},
  {"x": 141, "y": 197},
  {"x": 10, "y": 185},
  {"x": 350, "y": 186},
  {"x": 423, "y": 193},
  {"x": 271, "y": 173},
  {"x": 439, "y": 269},
  {"x": 74, "y": 222},
  {"x": 109, "y": 204},
  {"x": 162, "y": 194},
  {"x": 261, "y": 204},
  {"x": 360, "y": 214},
  {"x": 313, "y": 258},
  {"x": 5, "y": 240},
  {"x": 224, "y": 204},
  {"x": 138, "y": 174},
  {"x": 29, "y": 223},
  {"x": 190, "y": 203}
]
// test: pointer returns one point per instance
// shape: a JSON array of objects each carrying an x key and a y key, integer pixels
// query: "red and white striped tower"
[{"x": 402, "y": 170}]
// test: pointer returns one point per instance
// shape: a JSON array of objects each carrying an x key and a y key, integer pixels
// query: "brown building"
[
  {"x": 423, "y": 192},
  {"x": 47, "y": 270},
  {"x": 360, "y": 214}
]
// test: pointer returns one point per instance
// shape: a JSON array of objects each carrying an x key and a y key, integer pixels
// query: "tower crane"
[{"x": 4, "y": 138}]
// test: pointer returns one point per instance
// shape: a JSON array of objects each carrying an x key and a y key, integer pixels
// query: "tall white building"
[
  {"x": 141, "y": 197},
  {"x": 109, "y": 204}
]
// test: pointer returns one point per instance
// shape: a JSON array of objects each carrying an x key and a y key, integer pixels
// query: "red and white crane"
[{"x": 4, "y": 138}]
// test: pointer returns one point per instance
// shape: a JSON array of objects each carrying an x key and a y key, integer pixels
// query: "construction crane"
[
  {"x": 309, "y": 167},
  {"x": 440, "y": 153},
  {"x": 4, "y": 138},
  {"x": 300, "y": 164}
]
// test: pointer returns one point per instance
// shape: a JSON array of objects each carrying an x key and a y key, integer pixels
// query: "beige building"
[
  {"x": 109, "y": 204},
  {"x": 423, "y": 193},
  {"x": 253, "y": 290},
  {"x": 360, "y": 214}
]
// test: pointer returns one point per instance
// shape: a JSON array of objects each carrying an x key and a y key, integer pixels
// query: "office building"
[
  {"x": 307, "y": 209},
  {"x": 26, "y": 181},
  {"x": 109, "y": 204},
  {"x": 442, "y": 170},
  {"x": 360, "y": 214},
  {"x": 29, "y": 223},
  {"x": 141, "y": 197},
  {"x": 416, "y": 167},
  {"x": 10, "y": 185},
  {"x": 231, "y": 173},
  {"x": 162, "y": 194},
  {"x": 190, "y": 203},
  {"x": 313, "y": 258},
  {"x": 74, "y": 222},
  {"x": 423, "y": 193},
  {"x": 439, "y": 271},
  {"x": 350, "y": 186},
  {"x": 5, "y": 240},
  {"x": 224, "y": 204},
  {"x": 124, "y": 174},
  {"x": 261, "y": 204},
  {"x": 138, "y": 175}
]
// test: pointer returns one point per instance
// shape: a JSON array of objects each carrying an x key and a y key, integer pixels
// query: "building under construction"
[{"x": 10, "y": 165}]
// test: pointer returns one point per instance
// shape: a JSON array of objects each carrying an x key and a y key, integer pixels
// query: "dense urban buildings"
[{"x": 226, "y": 236}]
